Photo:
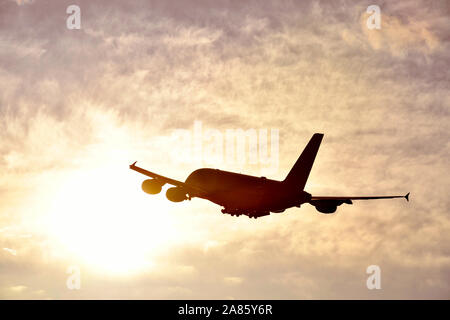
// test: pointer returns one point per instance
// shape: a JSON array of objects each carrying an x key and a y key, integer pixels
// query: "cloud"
[
  {"x": 22, "y": 2},
  {"x": 11, "y": 251},
  {"x": 398, "y": 37},
  {"x": 18, "y": 288},
  {"x": 232, "y": 280}
]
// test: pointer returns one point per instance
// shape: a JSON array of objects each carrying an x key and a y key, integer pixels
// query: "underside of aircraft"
[{"x": 252, "y": 196}]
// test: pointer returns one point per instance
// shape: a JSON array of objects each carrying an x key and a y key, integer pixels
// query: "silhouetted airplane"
[{"x": 248, "y": 195}]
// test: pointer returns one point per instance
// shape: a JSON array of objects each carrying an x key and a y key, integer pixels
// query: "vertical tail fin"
[{"x": 299, "y": 173}]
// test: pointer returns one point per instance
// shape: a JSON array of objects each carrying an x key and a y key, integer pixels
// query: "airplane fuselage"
[{"x": 244, "y": 194}]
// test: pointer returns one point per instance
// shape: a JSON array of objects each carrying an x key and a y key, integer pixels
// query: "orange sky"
[{"x": 78, "y": 106}]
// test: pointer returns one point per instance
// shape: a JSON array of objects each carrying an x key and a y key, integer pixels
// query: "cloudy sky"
[{"x": 78, "y": 106}]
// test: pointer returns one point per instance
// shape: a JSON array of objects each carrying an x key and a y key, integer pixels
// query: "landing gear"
[
  {"x": 232, "y": 212},
  {"x": 259, "y": 214},
  {"x": 250, "y": 214}
]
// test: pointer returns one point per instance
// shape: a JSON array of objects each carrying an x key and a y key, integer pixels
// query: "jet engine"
[
  {"x": 152, "y": 186},
  {"x": 176, "y": 194},
  {"x": 328, "y": 206},
  {"x": 327, "y": 209}
]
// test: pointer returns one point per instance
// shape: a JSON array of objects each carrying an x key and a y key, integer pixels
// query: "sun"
[{"x": 101, "y": 217}]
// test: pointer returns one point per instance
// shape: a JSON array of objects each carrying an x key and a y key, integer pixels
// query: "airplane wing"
[
  {"x": 193, "y": 191},
  {"x": 349, "y": 199}
]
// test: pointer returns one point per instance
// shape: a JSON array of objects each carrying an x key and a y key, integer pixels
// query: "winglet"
[
  {"x": 132, "y": 165},
  {"x": 407, "y": 197}
]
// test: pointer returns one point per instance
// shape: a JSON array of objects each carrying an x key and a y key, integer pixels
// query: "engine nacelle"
[
  {"x": 326, "y": 209},
  {"x": 176, "y": 194},
  {"x": 328, "y": 206},
  {"x": 152, "y": 186}
]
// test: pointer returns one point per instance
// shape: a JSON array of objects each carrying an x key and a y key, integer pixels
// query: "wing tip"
[{"x": 407, "y": 196}]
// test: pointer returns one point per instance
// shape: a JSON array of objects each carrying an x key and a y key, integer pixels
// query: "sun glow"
[{"x": 103, "y": 218}]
